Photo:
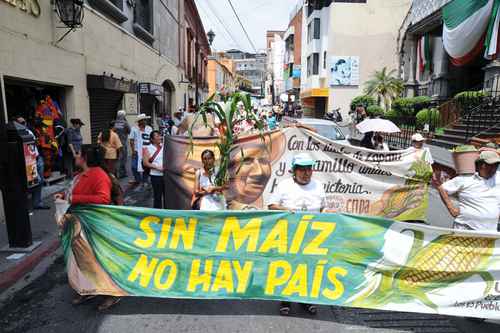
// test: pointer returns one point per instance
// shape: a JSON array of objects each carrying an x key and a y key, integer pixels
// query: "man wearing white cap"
[
  {"x": 478, "y": 196},
  {"x": 421, "y": 152},
  {"x": 139, "y": 139},
  {"x": 299, "y": 193}
]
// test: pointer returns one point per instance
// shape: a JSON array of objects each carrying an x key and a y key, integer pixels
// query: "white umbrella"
[{"x": 377, "y": 125}]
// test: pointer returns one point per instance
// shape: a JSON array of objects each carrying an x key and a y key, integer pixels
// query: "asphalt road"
[{"x": 45, "y": 306}]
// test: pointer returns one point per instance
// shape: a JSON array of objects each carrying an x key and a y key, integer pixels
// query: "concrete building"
[
  {"x": 446, "y": 73},
  {"x": 122, "y": 56},
  {"x": 221, "y": 74},
  {"x": 275, "y": 65},
  {"x": 345, "y": 42},
  {"x": 293, "y": 54},
  {"x": 252, "y": 67}
]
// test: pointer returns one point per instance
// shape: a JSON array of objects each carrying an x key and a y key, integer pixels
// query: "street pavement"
[{"x": 44, "y": 305}]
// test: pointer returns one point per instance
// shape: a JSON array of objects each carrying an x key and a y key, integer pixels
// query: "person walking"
[
  {"x": 379, "y": 143},
  {"x": 92, "y": 186},
  {"x": 74, "y": 141},
  {"x": 299, "y": 193},
  {"x": 478, "y": 196},
  {"x": 206, "y": 195},
  {"x": 112, "y": 145},
  {"x": 421, "y": 152},
  {"x": 153, "y": 160},
  {"x": 122, "y": 128},
  {"x": 139, "y": 139}
]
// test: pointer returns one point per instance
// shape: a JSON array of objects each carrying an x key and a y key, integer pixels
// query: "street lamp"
[
  {"x": 70, "y": 12},
  {"x": 211, "y": 37}
]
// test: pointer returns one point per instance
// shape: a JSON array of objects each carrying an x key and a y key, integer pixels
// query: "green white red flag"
[
  {"x": 424, "y": 53},
  {"x": 471, "y": 26}
]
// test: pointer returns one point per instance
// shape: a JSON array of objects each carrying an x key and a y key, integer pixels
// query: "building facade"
[
  {"x": 137, "y": 56},
  {"x": 438, "y": 61},
  {"x": 293, "y": 54},
  {"x": 275, "y": 66},
  {"x": 344, "y": 43},
  {"x": 252, "y": 67},
  {"x": 221, "y": 74}
]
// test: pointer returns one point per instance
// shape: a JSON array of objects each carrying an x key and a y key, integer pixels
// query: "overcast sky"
[{"x": 257, "y": 17}]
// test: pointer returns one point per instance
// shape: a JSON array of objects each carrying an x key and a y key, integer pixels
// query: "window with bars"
[{"x": 143, "y": 14}]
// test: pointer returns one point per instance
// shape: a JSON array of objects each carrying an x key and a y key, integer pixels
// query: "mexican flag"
[
  {"x": 471, "y": 26},
  {"x": 424, "y": 53}
]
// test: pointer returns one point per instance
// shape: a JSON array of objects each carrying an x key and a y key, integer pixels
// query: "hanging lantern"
[{"x": 70, "y": 12}]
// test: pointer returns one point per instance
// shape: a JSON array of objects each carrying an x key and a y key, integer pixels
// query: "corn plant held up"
[{"x": 229, "y": 112}]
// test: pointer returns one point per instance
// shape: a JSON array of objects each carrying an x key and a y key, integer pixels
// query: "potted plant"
[{"x": 229, "y": 112}]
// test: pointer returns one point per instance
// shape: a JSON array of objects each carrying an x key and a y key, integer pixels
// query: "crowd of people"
[{"x": 100, "y": 166}]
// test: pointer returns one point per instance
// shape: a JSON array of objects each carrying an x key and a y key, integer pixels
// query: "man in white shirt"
[
  {"x": 139, "y": 139},
  {"x": 299, "y": 193},
  {"x": 421, "y": 152},
  {"x": 478, "y": 196}
]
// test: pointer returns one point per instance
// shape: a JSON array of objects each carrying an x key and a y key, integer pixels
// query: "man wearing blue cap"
[{"x": 299, "y": 193}]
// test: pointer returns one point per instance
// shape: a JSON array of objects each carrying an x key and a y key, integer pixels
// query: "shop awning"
[
  {"x": 110, "y": 83},
  {"x": 316, "y": 92},
  {"x": 471, "y": 26}
]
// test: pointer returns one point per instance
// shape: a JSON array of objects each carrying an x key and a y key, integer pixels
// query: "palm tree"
[{"x": 385, "y": 86}]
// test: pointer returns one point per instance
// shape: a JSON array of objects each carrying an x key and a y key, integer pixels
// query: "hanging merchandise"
[
  {"x": 47, "y": 116},
  {"x": 469, "y": 27},
  {"x": 424, "y": 53}
]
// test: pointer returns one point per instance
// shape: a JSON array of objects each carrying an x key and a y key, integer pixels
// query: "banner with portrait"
[
  {"x": 329, "y": 259},
  {"x": 356, "y": 180},
  {"x": 344, "y": 71}
]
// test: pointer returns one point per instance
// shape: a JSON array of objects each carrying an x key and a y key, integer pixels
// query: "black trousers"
[{"x": 158, "y": 191}]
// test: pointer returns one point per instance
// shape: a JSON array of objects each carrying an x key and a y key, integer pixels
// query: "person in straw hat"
[
  {"x": 139, "y": 139},
  {"x": 478, "y": 196}
]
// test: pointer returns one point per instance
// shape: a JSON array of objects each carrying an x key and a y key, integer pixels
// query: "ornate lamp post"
[
  {"x": 211, "y": 37},
  {"x": 71, "y": 13}
]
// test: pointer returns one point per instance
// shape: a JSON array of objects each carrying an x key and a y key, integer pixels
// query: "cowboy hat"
[{"x": 142, "y": 116}]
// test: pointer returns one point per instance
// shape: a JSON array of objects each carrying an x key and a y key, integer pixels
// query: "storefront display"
[{"x": 40, "y": 106}]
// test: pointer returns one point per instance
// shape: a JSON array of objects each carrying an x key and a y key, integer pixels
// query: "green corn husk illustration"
[{"x": 446, "y": 260}]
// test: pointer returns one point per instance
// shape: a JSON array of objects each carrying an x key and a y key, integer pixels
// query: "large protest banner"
[
  {"x": 356, "y": 180},
  {"x": 331, "y": 259}
]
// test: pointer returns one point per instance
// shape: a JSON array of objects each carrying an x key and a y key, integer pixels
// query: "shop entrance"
[{"x": 43, "y": 107}]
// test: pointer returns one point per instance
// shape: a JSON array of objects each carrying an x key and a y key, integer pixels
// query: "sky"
[{"x": 257, "y": 17}]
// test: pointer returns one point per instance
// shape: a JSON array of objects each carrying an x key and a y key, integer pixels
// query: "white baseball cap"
[
  {"x": 417, "y": 137},
  {"x": 302, "y": 160}
]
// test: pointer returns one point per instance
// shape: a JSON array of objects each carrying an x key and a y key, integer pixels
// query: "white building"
[{"x": 344, "y": 43}]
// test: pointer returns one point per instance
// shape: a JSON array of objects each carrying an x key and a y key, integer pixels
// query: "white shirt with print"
[
  {"x": 289, "y": 194},
  {"x": 141, "y": 140}
]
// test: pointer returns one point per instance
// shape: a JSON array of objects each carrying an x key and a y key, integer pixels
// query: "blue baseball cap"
[{"x": 302, "y": 160}]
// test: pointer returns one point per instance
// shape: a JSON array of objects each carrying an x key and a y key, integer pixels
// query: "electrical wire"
[
  {"x": 242, "y": 27},
  {"x": 224, "y": 34},
  {"x": 223, "y": 25}
]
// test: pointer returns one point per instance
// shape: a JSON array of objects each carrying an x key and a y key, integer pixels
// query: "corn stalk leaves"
[{"x": 227, "y": 115}]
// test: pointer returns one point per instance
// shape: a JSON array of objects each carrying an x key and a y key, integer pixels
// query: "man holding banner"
[{"x": 299, "y": 193}]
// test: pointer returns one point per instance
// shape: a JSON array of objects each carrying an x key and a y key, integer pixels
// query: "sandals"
[
  {"x": 81, "y": 299},
  {"x": 285, "y": 309},
  {"x": 312, "y": 309},
  {"x": 108, "y": 302}
]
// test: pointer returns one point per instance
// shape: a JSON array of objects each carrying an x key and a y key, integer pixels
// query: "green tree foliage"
[
  {"x": 364, "y": 100},
  {"x": 384, "y": 86}
]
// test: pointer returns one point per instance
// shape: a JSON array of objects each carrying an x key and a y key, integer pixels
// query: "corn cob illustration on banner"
[
  {"x": 329, "y": 259},
  {"x": 391, "y": 184}
]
